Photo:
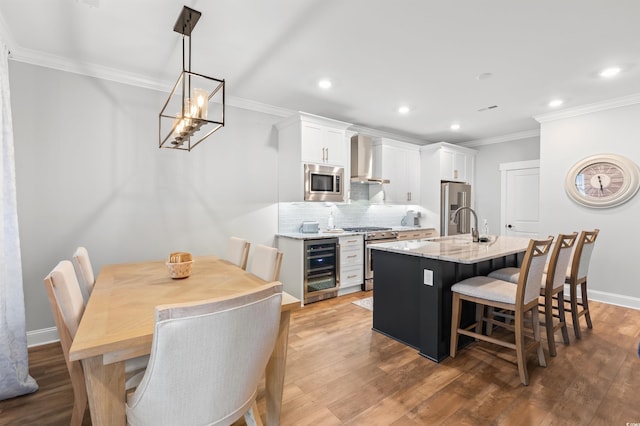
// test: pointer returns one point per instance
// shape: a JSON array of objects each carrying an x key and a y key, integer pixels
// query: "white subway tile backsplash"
[{"x": 355, "y": 213}]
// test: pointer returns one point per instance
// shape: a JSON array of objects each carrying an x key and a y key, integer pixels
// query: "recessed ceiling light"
[
  {"x": 556, "y": 103},
  {"x": 324, "y": 84},
  {"x": 404, "y": 109},
  {"x": 610, "y": 72},
  {"x": 455, "y": 126}
]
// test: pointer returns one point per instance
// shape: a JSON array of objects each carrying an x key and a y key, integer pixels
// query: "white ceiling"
[{"x": 379, "y": 54}]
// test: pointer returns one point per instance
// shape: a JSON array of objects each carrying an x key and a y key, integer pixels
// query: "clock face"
[
  {"x": 600, "y": 180},
  {"x": 603, "y": 180}
]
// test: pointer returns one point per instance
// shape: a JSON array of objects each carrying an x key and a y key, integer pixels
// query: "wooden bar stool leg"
[
  {"x": 561, "y": 316},
  {"x": 574, "y": 311},
  {"x": 585, "y": 303},
  {"x": 548, "y": 323},
  {"x": 479, "y": 316},
  {"x": 520, "y": 352},
  {"x": 535, "y": 323},
  {"x": 455, "y": 324}
]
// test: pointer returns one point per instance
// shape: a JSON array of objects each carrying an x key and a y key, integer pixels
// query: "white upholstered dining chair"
[
  {"x": 207, "y": 358},
  {"x": 84, "y": 271},
  {"x": 520, "y": 299},
  {"x": 551, "y": 287},
  {"x": 265, "y": 262},
  {"x": 238, "y": 251},
  {"x": 67, "y": 307}
]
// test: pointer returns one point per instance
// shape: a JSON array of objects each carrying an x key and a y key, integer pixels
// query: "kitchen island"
[{"x": 413, "y": 279}]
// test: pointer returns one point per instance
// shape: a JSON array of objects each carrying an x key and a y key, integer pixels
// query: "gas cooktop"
[{"x": 366, "y": 229}]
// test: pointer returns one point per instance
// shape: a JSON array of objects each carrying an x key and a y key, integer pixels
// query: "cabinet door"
[
  {"x": 313, "y": 149},
  {"x": 336, "y": 146},
  {"x": 402, "y": 168},
  {"x": 453, "y": 165},
  {"x": 323, "y": 145}
]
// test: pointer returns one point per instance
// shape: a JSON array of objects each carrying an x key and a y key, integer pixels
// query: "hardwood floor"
[{"x": 340, "y": 372}]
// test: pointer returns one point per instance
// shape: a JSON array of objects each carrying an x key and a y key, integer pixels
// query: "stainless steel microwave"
[{"x": 323, "y": 183}]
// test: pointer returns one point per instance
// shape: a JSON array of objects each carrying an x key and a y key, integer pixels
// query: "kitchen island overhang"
[{"x": 413, "y": 279}]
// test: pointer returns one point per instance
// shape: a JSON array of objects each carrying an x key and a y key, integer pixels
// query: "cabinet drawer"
[
  {"x": 351, "y": 257},
  {"x": 351, "y": 242},
  {"x": 418, "y": 234},
  {"x": 351, "y": 276}
]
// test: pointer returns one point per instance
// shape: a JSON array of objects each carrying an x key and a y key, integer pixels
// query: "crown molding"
[
  {"x": 382, "y": 134},
  {"x": 504, "y": 138},
  {"x": 46, "y": 60},
  {"x": 589, "y": 108}
]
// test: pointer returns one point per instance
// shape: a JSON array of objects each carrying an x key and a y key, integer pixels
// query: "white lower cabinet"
[{"x": 351, "y": 264}]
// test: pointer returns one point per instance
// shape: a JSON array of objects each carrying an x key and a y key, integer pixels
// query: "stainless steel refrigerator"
[{"x": 454, "y": 195}]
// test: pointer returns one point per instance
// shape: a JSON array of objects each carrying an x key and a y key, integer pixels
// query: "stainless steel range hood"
[{"x": 362, "y": 161}]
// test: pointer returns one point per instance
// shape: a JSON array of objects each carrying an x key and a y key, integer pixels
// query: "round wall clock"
[{"x": 603, "y": 180}]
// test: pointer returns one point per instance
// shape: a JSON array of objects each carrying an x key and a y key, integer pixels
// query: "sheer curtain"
[{"x": 14, "y": 364}]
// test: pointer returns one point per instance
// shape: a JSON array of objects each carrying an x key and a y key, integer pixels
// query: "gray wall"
[
  {"x": 487, "y": 175},
  {"x": 89, "y": 172},
  {"x": 613, "y": 271}
]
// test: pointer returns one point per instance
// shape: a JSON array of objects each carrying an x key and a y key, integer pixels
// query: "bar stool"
[
  {"x": 498, "y": 294},
  {"x": 552, "y": 286},
  {"x": 578, "y": 277}
]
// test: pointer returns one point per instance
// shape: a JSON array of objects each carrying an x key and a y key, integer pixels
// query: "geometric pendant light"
[{"x": 196, "y": 104}]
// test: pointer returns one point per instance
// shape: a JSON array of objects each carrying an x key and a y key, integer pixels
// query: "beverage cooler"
[{"x": 321, "y": 276}]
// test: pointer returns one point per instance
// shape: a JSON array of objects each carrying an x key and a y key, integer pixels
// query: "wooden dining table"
[{"x": 118, "y": 324}]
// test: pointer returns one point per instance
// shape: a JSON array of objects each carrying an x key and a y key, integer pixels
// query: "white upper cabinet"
[
  {"x": 453, "y": 162},
  {"x": 323, "y": 144},
  {"x": 306, "y": 138},
  {"x": 400, "y": 163}
]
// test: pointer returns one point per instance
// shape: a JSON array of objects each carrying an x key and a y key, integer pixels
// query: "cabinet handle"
[
  {"x": 455, "y": 174},
  {"x": 351, "y": 276},
  {"x": 352, "y": 256},
  {"x": 408, "y": 196},
  {"x": 327, "y": 159}
]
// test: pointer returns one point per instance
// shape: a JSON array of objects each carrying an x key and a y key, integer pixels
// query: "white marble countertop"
[
  {"x": 338, "y": 233},
  {"x": 315, "y": 235},
  {"x": 458, "y": 248}
]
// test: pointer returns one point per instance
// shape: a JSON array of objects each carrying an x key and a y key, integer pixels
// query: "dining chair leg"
[
  {"x": 548, "y": 323},
  {"x": 562, "y": 318},
  {"x": 585, "y": 303},
  {"x": 520, "y": 353},
  {"x": 535, "y": 323},
  {"x": 252, "y": 417},
  {"x": 455, "y": 324},
  {"x": 574, "y": 310}
]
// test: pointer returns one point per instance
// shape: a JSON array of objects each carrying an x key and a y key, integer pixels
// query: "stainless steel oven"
[{"x": 321, "y": 269}]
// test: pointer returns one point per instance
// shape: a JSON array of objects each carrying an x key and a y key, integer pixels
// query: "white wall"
[
  {"x": 613, "y": 273},
  {"x": 89, "y": 172},
  {"x": 487, "y": 176}
]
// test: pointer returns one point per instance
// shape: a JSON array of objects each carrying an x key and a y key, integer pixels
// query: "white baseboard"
[
  {"x": 614, "y": 299},
  {"x": 50, "y": 335},
  {"x": 42, "y": 336}
]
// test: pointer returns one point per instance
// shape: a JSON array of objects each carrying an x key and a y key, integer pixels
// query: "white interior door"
[{"x": 520, "y": 212}]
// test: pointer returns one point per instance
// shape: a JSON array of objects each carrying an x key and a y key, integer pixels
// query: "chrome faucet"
[{"x": 474, "y": 231}]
